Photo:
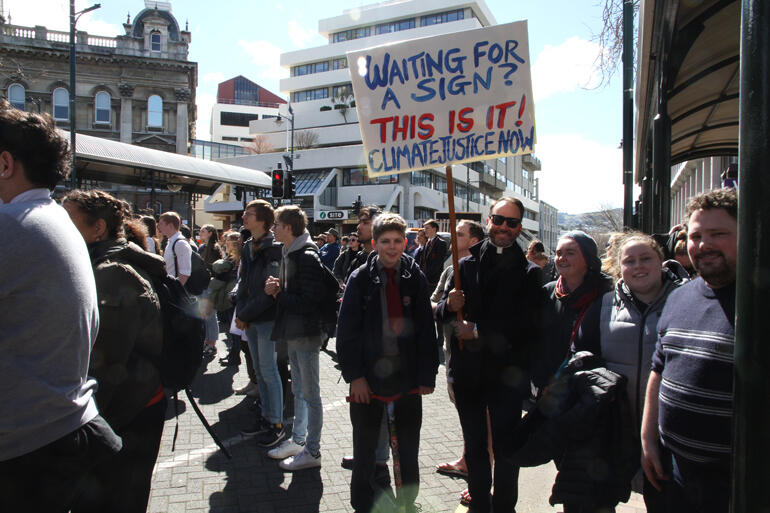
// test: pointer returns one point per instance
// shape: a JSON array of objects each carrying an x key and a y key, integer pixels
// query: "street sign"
[{"x": 332, "y": 215}]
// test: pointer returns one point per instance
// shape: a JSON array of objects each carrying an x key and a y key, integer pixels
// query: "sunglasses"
[{"x": 512, "y": 222}]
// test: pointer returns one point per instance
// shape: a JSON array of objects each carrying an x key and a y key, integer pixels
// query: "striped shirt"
[{"x": 694, "y": 356}]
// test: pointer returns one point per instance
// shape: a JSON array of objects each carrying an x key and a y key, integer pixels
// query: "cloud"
[
  {"x": 267, "y": 58},
  {"x": 55, "y": 15},
  {"x": 204, "y": 103},
  {"x": 578, "y": 174},
  {"x": 213, "y": 77},
  {"x": 566, "y": 67},
  {"x": 301, "y": 36}
]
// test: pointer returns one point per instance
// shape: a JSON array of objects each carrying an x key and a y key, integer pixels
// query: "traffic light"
[
  {"x": 290, "y": 182},
  {"x": 357, "y": 206},
  {"x": 278, "y": 182}
]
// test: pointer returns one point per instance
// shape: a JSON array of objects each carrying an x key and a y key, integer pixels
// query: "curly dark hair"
[
  {"x": 32, "y": 140},
  {"x": 719, "y": 198},
  {"x": 96, "y": 204}
]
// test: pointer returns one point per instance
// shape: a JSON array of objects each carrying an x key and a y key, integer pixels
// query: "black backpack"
[
  {"x": 330, "y": 298},
  {"x": 200, "y": 276},
  {"x": 183, "y": 334}
]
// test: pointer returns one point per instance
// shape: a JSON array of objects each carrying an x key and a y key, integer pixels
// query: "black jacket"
[
  {"x": 359, "y": 327},
  {"x": 432, "y": 259},
  {"x": 298, "y": 303},
  {"x": 252, "y": 304},
  {"x": 342, "y": 264},
  {"x": 583, "y": 422},
  {"x": 127, "y": 350},
  {"x": 507, "y": 323},
  {"x": 558, "y": 320}
]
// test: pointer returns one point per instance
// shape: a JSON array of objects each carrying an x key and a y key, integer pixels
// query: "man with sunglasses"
[{"x": 500, "y": 303}]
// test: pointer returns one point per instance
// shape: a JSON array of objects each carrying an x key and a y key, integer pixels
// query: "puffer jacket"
[
  {"x": 582, "y": 423},
  {"x": 128, "y": 347},
  {"x": 628, "y": 337},
  {"x": 359, "y": 328},
  {"x": 222, "y": 283},
  {"x": 252, "y": 304}
]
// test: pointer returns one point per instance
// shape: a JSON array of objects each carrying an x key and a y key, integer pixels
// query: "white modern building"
[
  {"x": 693, "y": 177},
  {"x": 329, "y": 163},
  {"x": 240, "y": 101}
]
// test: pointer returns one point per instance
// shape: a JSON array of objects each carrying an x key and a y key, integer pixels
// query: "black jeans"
[
  {"x": 367, "y": 420},
  {"x": 49, "y": 479},
  {"x": 121, "y": 484},
  {"x": 692, "y": 487},
  {"x": 473, "y": 398}
]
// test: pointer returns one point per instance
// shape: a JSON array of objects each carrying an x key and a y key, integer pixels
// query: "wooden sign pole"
[{"x": 450, "y": 190}]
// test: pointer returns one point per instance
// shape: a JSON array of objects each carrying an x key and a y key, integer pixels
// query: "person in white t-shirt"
[{"x": 177, "y": 256}]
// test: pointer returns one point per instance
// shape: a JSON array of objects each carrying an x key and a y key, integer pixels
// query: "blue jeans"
[
  {"x": 264, "y": 362},
  {"x": 308, "y": 410},
  {"x": 212, "y": 326}
]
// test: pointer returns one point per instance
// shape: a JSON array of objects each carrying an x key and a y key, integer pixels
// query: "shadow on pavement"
[
  {"x": 256, "y": 484},
  {"x": 212, "y": 388}
]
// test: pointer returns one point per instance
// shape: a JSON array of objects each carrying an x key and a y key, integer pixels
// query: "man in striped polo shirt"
[{"x": 686, "y": 430}]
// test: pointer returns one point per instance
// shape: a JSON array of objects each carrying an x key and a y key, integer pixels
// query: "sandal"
[
  {"x": 465, "y": 498},
  {"x": 451, "y": 470}
]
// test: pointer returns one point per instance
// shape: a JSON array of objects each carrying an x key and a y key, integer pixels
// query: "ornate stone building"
[{"x": 138, "y": 88}]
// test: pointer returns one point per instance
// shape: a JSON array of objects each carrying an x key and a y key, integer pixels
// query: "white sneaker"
[
  {"x": 285, "y": 450},
  {"x": 301, "y": 461}
]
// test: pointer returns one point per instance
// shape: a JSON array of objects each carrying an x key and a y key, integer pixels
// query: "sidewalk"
[{"x": 198, "y": 478}]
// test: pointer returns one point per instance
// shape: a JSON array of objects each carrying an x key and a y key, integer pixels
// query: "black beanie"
[{"x": 587, "y": 247}]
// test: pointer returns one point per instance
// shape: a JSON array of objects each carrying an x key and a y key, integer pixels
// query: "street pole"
[
  {"x": 73, "y": 171},
  {"x": 751, "y": 421},
  {"x": 74, "y": 16},
  {"x": 628, "y": 112}
]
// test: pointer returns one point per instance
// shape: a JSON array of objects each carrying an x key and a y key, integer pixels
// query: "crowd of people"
[{"x": 623, "y": 365}]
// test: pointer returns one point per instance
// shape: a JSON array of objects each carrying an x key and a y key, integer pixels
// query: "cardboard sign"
[{"x": 443, "y": 100}]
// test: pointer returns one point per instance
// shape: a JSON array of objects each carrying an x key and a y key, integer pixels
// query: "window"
[
  {"x": 309, "y": 69},
  {"x": 310, "y": 94},
  {"x": 155, "y": 41},
  {"x": 154, "y": 111},
  {"x": 395, "y": 26},
  {"x": 421, "y": 178},
  {"x": 61, "y": 104},
  {"x": 342, "y": 90},
  {"x": 439, "y": 183},
  {"x": 340, "y": 63},
  {"x": 423, "y": 213},
  {"x": 229, "y": 138},
  {"x": 347, "y": 35},
  {"x": 442, "y": 17},
  {"x": 236, "y": 118},
  {"x": 102, "y": 107},
  {"x": 16, "y": 94},
  {"x": 359, "y": 176}
]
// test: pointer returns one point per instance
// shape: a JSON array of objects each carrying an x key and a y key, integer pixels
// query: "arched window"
[
  {"x": 102, "y": 107},
  {"x": 16, "y": 95},
  {"x": 155, "y": 41},
  {"x": 155, "y": 111},
  {"x": 61, "y": 104}
]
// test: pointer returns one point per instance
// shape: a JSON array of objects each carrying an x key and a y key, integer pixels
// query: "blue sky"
[{"x": 579, "y": 126}]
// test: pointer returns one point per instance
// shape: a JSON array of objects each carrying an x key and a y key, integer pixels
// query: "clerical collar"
[{"x": 498, "y": 248}]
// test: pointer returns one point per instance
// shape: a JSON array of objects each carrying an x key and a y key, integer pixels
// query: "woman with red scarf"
[{"x": 580, "y": 284}]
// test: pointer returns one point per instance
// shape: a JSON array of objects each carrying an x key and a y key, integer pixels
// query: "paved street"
[{"x": 197, "y": 477}]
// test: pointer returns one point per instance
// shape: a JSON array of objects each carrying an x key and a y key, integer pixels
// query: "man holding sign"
[{"x": 490, "y": 361}]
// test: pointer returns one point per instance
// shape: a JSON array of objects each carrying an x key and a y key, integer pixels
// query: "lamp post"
[{"x": 74, "y": 17}]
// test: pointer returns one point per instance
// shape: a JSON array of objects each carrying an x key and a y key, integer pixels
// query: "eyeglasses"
[
  {"x": 248, "y": 213},
  {"x": 512, "y": 222}
]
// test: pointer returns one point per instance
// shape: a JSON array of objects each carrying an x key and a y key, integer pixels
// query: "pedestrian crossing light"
[{"x": 278, "y": 183}]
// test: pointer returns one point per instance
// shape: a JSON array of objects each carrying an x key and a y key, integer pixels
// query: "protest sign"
[{"x": 443, "y": 100}]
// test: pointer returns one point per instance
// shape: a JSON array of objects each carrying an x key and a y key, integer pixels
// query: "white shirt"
[{"x": 183, "y": 256}]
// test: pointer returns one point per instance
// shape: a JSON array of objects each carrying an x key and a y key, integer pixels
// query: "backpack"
[
  {"x": 183, "y": 334},
  {"x": 330, "y": 298},
  {"x": 200, "y": 276}
]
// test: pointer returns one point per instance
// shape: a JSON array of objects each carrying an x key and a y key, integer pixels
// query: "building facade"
[
  {"x": 329, "y": 162},
  {"x": 694, "y": 177},
  {"x": 240, "y": 101},
  {"x": 137, "y": 88}
]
